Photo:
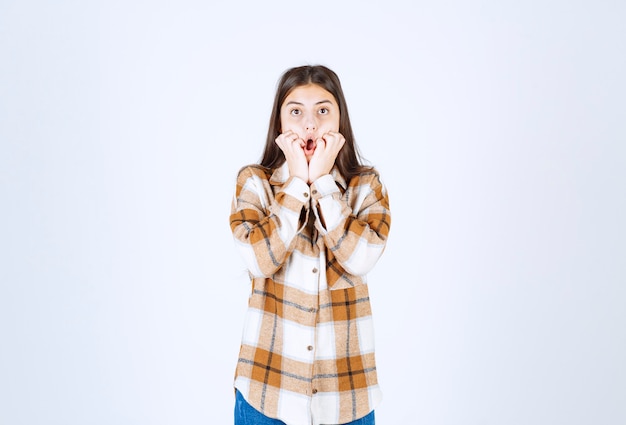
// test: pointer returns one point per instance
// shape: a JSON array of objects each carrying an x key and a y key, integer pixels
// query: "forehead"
[{"x": 309, "y": 94}]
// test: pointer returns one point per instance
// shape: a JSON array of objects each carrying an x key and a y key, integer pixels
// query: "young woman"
[{"x": 310, "y": 222}]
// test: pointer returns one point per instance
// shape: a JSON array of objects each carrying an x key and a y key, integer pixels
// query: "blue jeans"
[{"x": 248, "y": 415}]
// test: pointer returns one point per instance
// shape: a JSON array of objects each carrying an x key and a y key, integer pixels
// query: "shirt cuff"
[
  {"x": 297, "y": 189},
  {"x": 324, "y": 186}
]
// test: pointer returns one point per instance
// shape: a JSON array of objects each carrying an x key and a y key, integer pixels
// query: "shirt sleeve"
[
  {"x": 265, "y": 226},
  {"x": 354, "y": 228}
]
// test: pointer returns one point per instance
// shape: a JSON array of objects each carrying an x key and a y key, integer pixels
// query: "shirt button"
[
  {"x": 314, "y": 270},
  {"x": 314, "y": 192},
  {"x": 306, "y": 195},
  {"x": 310, "y": 348},
  {"x": 314, "y": 391}
]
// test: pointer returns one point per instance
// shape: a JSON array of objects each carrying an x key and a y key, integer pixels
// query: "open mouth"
[{"x": 310, "y": 145}]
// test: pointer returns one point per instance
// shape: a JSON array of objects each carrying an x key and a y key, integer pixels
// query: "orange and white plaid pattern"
[{"x": 307, "y": 351}]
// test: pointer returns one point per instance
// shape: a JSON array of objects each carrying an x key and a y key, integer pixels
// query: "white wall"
[{"x": 499, "y": 129}]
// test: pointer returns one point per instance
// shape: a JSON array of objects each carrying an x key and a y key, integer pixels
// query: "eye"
[
  {"x": 295, "y": 111},
  {"x": 323, "y": 111}
]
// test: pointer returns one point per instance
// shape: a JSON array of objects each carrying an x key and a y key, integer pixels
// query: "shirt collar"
[{"x": 281, "y": 175}]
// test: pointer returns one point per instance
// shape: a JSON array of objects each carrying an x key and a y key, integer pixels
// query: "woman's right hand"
[{"x": 292, "y": 146}]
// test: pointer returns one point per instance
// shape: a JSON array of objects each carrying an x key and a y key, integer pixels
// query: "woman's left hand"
[{"x": 326, "y": 151}]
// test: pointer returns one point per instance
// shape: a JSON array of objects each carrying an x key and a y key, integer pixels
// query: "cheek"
[
  {"x": 285, "y": 124},
  {"x": 285, "y": 128},
  {"x": 331, "y": 124}
]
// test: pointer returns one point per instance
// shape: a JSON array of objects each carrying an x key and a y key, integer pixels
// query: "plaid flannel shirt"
[{"x": 307, "y": 351}]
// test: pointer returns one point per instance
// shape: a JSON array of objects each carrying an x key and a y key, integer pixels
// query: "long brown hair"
[{"x": 348, "y": 160}]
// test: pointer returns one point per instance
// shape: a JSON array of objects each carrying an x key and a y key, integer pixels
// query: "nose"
[{"x": 310, "y": 124}]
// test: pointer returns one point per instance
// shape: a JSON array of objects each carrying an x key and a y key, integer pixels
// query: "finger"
[
  {"x": 328, "y": 137},
  {"x": 281, "y": 137},
  {"x": 286, "y": 139},
  {"x": 282, "y": 143},
  {"x": 335, "y": 136},
  {"x": 336, "y": 140},
  {"x": 291, "y": 137}
]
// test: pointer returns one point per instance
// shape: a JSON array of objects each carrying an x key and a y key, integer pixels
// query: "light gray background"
[{"x": 498, "y": 127}]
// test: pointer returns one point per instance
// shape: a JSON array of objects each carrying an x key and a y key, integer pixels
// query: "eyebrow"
[{"x": 293, "y": 102}]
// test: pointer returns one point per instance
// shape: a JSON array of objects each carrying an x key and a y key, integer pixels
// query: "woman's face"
[{"x": 309, "y": 111}]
